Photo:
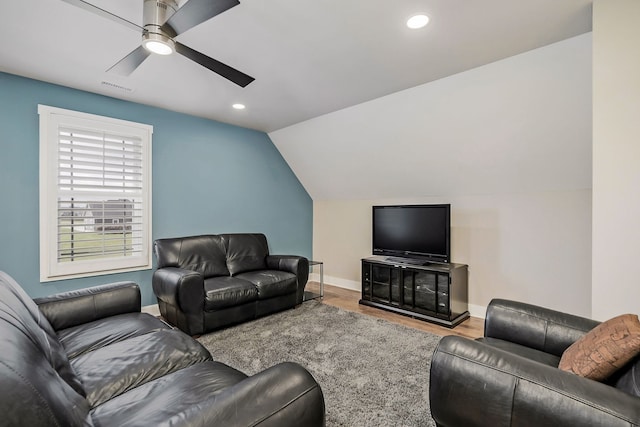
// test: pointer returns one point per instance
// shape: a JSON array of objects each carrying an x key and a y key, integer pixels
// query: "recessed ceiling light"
[
  {"x": 417, "y": 21},
  {"x": 239, "y": 106}
]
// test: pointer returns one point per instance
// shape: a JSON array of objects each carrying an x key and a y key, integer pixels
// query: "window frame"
[{"x": 51, "y": 119}]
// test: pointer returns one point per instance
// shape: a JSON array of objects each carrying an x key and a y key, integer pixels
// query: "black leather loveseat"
[
  {"x": 90, "y": 358},
  {"x": 207, "y": 282},
  {"x": 510, "y": 377}
]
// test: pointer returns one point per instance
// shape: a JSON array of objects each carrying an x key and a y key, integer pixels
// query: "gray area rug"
[{"x": 372, "y": 372}]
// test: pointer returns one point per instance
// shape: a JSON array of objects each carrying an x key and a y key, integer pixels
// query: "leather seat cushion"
[
  {"x": 223, "y": 292},
  {"x": 520, "y": 350},
  {"x": 173, "y": 397},
  {"x": 80, "y": 339},
  {"x": 271, "y": 283},
  {"x": 114, "y": 369}
]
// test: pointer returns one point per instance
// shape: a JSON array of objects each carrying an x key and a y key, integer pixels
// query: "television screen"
[{"x": 414, "y": 231}]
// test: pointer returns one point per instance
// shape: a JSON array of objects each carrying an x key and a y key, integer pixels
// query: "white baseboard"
[
  {"x": 477, "y": 311},
  {"x": 336, "y": 281}
]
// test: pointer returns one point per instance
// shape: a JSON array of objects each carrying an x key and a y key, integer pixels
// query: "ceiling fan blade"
[
  {"x": 229, "y": 73},
  {"x": 195, "y": 12},
  {"x": 105, "y": 14},
  {"x": 130, "y": 62}
]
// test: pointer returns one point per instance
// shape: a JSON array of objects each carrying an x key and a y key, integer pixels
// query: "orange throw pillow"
[{"x": 604, "y": 349}]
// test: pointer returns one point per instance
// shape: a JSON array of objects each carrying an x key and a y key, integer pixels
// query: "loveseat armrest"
[
  {"x": 180, "y": 288},
  {"x": 297, "y": 265},
  {"x": 73, "y": 308},
  {"x": 282, "y": 395},
  {"x": 533, "y": 326},
  {"x": 473, "y": 385}
]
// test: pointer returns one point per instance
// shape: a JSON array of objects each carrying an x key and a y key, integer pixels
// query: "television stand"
[
  {"x": 434, "y": 292},
  {"x": 412, "y": 261}
]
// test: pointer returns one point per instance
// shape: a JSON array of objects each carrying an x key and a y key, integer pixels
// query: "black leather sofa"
[
  {"x": 90, "y": 358},
  {"x": 211, "y": 281},
  {"x": 511, "y": 377}
]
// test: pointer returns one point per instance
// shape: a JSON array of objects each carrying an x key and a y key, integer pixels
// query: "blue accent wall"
[{"x": 208, "y": 177}]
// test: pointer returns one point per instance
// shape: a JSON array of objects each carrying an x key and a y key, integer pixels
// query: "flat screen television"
[{"x": 419, "y": 232}]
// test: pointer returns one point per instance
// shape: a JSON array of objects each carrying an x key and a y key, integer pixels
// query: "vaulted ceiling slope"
[
  {"x": 518, "y": 125},
  {"x": 309, "y": 57}
]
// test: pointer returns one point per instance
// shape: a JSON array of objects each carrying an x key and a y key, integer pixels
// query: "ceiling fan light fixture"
[
  {"x": 158, "y": 43},
  {"x": 417, "y": 21}
]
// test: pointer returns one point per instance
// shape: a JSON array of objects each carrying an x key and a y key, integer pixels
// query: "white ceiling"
[{"x": 309, "y": 57}]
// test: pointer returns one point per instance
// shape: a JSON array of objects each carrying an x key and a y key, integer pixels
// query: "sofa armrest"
[
  {"x": 535, "y": 327},
  {"x": 297, "y": 265},
  {"x": 73, "y": 308},
  {"x": 180, "y": 288},
  {"x": 282, "y": 395},
  {"x": 473, "y": 384}
]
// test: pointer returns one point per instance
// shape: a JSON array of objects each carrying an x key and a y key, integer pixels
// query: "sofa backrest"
[
  {"x": 214, "y": 255},
  {"x": 38, "y": 385},
  {"x": 205, "y": 254},
  {"x": 246, "y": 252}
]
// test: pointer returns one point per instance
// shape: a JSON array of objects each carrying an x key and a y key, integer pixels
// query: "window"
[{"x": 95, "y": 194}]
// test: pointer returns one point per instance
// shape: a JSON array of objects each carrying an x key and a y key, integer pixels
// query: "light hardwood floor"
[{"x": 348, "y": 300}]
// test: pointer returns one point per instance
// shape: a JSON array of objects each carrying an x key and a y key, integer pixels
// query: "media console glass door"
[
  {"x": 435, "y": 293},
  {"x": 426, "y": 291}
]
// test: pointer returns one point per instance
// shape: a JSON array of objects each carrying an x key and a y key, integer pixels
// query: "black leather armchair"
[
  {"x": 211, "y": 281},
  {"x": 510, "y": 376}
]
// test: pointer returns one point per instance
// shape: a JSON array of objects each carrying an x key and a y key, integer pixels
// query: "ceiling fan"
[{"x": 163, "y": 21}]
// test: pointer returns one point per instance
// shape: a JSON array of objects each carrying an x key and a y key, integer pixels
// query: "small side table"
[{"x": 308, "y": 295}]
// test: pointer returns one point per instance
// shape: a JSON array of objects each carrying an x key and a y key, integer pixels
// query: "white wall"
[
  {"x": 533, "y": 247},
  {"x": 616, "y": 155},
  {"x": 507, "y": 144},
  {"x": 517, "y": 125}
]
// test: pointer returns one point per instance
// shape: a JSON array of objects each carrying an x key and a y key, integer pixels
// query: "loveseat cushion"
[
  {"x": 81, "y": 339},
  {"x": 271, "y": 283},
  {"x": 205, "y": 254},
  {"x": 246, "y": 252},
  {"x": 177, "y": 398},
  {"x": 114, "y": 369},
  {"x": 223, "y": 292}
]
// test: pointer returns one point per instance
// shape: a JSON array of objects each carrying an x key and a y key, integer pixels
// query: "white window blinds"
[
  {"x": 96, "y": 212},
  {"x": 99, "y": 195}
]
